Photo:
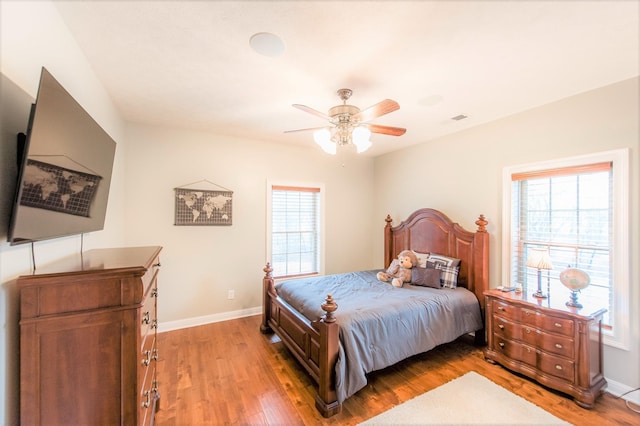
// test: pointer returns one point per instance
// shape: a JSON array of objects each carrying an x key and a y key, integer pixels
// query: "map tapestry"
[
  {"x": 201, "y": 207},
  {"x": 50, "y": 187}
]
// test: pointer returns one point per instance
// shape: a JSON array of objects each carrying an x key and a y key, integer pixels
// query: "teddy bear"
[{"x": 399, "y": 272}]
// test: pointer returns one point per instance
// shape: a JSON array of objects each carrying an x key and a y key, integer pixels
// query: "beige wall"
[
  {"x": 201, "y": 263},
  {"x": 461, "y": 174}
]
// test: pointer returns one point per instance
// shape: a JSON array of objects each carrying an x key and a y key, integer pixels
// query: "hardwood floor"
[{"x": 230, "y": 373}]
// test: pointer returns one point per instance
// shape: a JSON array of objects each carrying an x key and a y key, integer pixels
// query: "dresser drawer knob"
[
  {"x": 558, "y": 325},
  {"x": 146, "y": 319},
  {"x": 500, "y": 308},
  {"x": 558, "y": 345},
  {"x": 501, "y": 327},
  {"x": 527, "y": 330},
  {"x": 558, "y": 367},
  {"x": 501, "y": 345},
  {"x": 147, "y": 357},
  {"x": 147, "y": 402},
  {"x": 154, "y": 292}
]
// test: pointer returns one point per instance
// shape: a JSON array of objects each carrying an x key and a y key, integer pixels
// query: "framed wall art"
[{"x": 204, "y": 207}]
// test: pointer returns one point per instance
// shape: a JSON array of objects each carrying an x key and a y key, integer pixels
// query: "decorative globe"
[{"x": 575, "y": 280}]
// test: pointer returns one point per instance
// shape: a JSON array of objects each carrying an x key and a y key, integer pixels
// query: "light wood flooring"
[{"x": 230, "y": 373}]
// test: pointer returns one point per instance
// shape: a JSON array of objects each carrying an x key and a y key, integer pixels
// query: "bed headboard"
[{"x": 431, "y": 231}]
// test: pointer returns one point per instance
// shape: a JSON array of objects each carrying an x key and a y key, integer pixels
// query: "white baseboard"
[
  {"x": 613, "y": 387},
  {"x": 208, "y": 319},
  {"x": 617, "y": 389}
]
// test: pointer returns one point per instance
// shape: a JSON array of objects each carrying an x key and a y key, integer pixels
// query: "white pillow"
[{"x": 422, "y": 258}]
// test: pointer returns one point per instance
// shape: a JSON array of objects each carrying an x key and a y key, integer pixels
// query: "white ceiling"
[{"x": 189, "y": 63}]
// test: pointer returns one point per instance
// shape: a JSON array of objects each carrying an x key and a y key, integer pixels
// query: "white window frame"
[
  {"x": 619, "y": 336},
  {"x": 321, "y": 186}
]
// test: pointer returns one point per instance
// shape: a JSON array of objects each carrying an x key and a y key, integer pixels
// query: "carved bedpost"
[
  {"x": 267, "y": 290},
  {"x": 482, "y": 223},
  {"x": 481, "y": 278},
  {"x": 327, "y": 400},
  {"x": 388, "y": 246}
]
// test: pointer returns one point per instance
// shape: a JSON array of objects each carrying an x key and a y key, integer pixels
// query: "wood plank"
[{"x": 230, "y": 373}]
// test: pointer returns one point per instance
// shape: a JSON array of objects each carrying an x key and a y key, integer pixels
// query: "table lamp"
[{"x": 539, "y": 259}]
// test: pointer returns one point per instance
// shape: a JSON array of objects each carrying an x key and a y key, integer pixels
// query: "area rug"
[{"x": 469, "y": 399}]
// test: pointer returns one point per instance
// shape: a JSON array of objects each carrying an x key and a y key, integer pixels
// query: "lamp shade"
[{"x": 539, "y": 259}]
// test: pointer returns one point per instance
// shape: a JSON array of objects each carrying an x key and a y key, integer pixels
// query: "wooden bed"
[{"x": 315, "y": 343}]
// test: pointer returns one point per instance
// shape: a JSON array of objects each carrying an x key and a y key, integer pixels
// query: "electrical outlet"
[{"x": 231, "y": 294}]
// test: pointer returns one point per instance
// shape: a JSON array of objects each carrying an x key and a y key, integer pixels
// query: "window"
[
  {"x": 294, "y": 222},
  {"x": 577, "y": 208}
]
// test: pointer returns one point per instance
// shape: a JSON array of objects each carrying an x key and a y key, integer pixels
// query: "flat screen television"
[{"x": 64, "y": 169}]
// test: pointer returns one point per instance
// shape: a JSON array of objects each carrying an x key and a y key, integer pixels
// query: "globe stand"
[
  {"x": 573, "y": 302},
  {"x": 575, "y": 280}
]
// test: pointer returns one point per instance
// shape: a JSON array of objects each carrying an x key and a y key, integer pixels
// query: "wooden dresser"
[
  {"x": 558, "y": 346},
  {"x": 88, "y": 339}
]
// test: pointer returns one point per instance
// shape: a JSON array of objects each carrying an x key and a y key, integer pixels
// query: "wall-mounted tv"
[{"x": 64, "y": 169}]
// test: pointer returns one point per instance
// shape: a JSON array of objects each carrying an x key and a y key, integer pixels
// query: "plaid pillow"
[{"x": 448, "y": 274}]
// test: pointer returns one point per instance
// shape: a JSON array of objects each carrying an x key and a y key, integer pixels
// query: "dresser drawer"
[
  {"x": 151, "y": 275},
  {"x": 557, "y": 325},
  {"x": 549, "y": 323},
  {"x": 516, "y": 350},
  {"x": 506, "y": 310},
  {"x": 557, "y": 366},
  {"x": 148, "y": 312},
  {"x": 559, "y": 345},
  {"x": 504, "y": 328}
]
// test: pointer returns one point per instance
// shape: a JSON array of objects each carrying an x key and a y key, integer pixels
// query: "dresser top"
[
  {"x": 106, "y": 259},
  {"x": 554, "y": 302}
]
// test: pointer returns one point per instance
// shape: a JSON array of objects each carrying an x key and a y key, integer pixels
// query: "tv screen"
[{"x": 65, "y": 169}]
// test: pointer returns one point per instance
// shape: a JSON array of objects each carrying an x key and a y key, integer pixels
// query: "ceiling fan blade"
[
  {"x": 386, "y": 130},
  {"x": 311, "y": 111},
  {"x": 305, "y": 130},
  {"x": 377, "y": 110}
]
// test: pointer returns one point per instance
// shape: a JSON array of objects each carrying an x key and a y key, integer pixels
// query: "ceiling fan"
[{"x": 350, "y": 125}]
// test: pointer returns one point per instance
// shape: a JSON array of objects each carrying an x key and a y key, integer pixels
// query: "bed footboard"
[{"x": 313, "y": 343}]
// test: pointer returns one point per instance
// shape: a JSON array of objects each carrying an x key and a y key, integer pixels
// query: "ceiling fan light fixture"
[
  {"x": 360, "y": 138},
  {"x": 323, "y": 138},
  {"x": 362, "y": 146}
]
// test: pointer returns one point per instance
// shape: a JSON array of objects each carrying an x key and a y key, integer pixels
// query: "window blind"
[
  {"x": 569, "y": 212},
  {"x": 295, "y": 231}
]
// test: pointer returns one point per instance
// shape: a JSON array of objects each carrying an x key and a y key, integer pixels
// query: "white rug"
[{"x": 469, "y": 399}]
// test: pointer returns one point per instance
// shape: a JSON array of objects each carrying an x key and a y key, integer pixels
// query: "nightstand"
[{"x": 545, "y": 340}]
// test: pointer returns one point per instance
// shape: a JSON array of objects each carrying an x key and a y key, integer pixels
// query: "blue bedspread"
[{"x": 380, "y": 324}]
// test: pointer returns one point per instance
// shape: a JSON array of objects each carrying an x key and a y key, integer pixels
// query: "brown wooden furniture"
[
  {"x": 315, "y": 343},
  {"x": 88, "y": 339},
  {"x": 558, "y": 346}
]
